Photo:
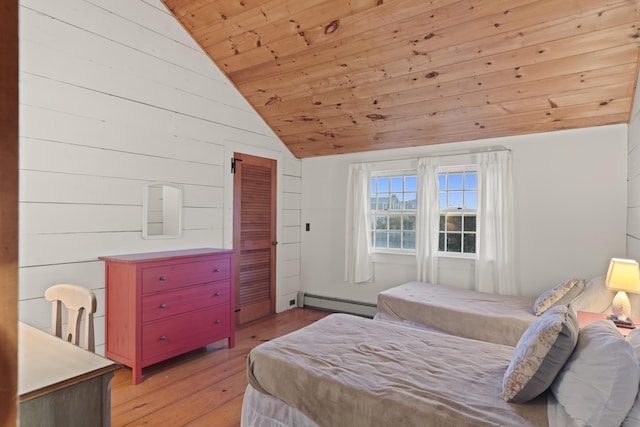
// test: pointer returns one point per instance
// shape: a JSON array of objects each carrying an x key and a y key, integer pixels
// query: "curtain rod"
[
  {"x": 462, "y": 153},
  {"x": 449, "y": 154}
]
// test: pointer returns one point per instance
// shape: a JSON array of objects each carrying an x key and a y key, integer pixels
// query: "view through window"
[
  {"x": 458, "y": 204},
  {"x": 393, "y": 211}
]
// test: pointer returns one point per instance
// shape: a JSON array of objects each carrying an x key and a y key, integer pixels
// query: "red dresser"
[{"x": 162, "y": 304}]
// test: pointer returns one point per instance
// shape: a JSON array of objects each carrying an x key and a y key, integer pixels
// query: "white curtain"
[
  {"x": 427, "y": 221},
  {"x": 495, "y": 228},
  {"x": 357, "y": 234}
]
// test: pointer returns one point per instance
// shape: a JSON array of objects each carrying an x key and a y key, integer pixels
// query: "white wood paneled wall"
[
  {"x": 633, "y": 181},
  {"x": 114, "y": 94},
  {"x": 289, "y": 247}
]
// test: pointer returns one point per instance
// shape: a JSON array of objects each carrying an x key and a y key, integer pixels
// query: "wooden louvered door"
[{"x": 254, "y": 236}]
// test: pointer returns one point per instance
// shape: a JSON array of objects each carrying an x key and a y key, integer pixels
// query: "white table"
[{"x": 60, "y": 384}]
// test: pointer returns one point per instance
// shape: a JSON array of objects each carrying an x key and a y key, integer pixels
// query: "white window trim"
[
  {"x": 452, "y": 169},
  {"x": 399, "y": 167},
  {"x": 387, "y": 173}
]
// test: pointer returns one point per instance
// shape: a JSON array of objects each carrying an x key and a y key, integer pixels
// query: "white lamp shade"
[{"x": 623, "y": 276}]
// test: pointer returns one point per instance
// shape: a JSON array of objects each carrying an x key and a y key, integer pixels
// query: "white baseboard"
[{"x": 336, "y": 305}]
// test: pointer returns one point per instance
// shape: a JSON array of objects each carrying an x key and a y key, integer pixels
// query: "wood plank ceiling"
[{"x": 339, "y": 76}]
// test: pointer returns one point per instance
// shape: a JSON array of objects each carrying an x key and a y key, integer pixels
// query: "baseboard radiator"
[{"x": 336, "y": 305}]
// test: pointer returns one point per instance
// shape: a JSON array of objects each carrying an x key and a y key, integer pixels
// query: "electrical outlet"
[{"x": 292, "y": 302}]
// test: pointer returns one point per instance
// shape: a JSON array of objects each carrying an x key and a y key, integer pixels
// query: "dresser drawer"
[
  {"x": 171, "y": 303},
  {"x": 180, "y": 333},
  {"x": 162, "y": 278}
]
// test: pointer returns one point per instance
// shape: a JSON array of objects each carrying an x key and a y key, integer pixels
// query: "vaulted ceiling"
[{"x": 340, "y": 76}]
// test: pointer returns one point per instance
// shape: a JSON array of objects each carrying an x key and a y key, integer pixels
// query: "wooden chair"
[{"x": 77, "y": 300}]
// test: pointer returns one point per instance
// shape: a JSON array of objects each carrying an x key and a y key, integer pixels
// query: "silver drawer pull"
[
  {"x": 218, "y": 294},
  {"x": 162, "y": 338},
  {"x": 218, "y": 321},
  {"x": 163, "y": 305},
  {"x": 217, "y": 270},
  {"x": 163, "y": 278}
]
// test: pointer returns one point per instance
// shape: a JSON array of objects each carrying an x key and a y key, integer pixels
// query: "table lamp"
[{"x": 623, "y": 276}]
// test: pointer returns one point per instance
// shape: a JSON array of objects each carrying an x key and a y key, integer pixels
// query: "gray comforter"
[
  {"x": 349, "y": 371},
  {"x": 500, "y": 319}
]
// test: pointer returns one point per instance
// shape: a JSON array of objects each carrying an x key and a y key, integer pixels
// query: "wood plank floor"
[{"x": 202, "y": 388}]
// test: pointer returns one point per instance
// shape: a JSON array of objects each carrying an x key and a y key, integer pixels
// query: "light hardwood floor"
[{"x": 202, "y": 388}]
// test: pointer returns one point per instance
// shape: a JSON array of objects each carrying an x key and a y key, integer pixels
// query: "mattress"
[
  {"x": 349, "y": 371},
  {"x": 500, "y": 319}
]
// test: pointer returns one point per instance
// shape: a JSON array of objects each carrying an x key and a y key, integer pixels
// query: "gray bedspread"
[
  {"x": 349, "y": 371},
  {"x": 500, "y": 319}
]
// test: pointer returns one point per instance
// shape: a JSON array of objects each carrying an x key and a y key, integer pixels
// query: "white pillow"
[
  {"x": 599, "y": 382},
  {"x": 561, "y": 294},
  {"x": 633, "y": 417},
  {"x": 595, "y": 297}
]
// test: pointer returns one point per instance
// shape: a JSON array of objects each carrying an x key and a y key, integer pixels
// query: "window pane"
[
  {"x": 381, "y": 239},
  {"x": 470, "y": 243},
  {"x": 395, "y": 222},
  {"x": 454, "y": 223},
  {"x": 470, "y": 198},
  {"x": 383, "y": 203},
  {"x": 395, "y": 240},
  {"x": 470, "y": 223},
  {"x": 454, "y": 242},
  {"x": 455, "y": 200},
  {"x": 383, "y": 184},
  {"x": 396, "y": 202},
  {"x": 454, "y": 181},
  {"x": 457, "y": 191},
  {"x": 410, "y": 183},
  {"x": 391, "y": 196},
  {"x": 396, "y": 183},
  {"x": 470, "y": 181},
  {"x": 409, "y": 222},
  {"x": 409, "y": 239},
  {"x": 410, "y": 202},
  {"x": 381, "y": 222}
]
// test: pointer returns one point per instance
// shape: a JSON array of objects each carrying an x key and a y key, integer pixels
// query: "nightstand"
[{"x": 586, "y": 317}]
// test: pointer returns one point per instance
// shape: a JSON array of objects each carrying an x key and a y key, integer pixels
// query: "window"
[
  {"x": 393, "y": 211},
  {"x": 458, "y": 202}
]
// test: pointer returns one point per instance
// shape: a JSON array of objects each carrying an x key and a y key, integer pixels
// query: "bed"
[
  {"x": 346, "y": 370},
  {"x": 501, "y": 319},
  {"x": 349, "y": 371}
]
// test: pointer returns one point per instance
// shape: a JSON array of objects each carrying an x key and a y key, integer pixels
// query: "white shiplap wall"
[
  {"x": 114, "y": 94},
  {"x": 633, "y": 181}
]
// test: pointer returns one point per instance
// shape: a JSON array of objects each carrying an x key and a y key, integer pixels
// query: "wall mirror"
[{"x": 161, "y": 210}]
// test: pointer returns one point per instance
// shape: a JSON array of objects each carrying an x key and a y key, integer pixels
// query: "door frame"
[{"x": 232, "y": 147}]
